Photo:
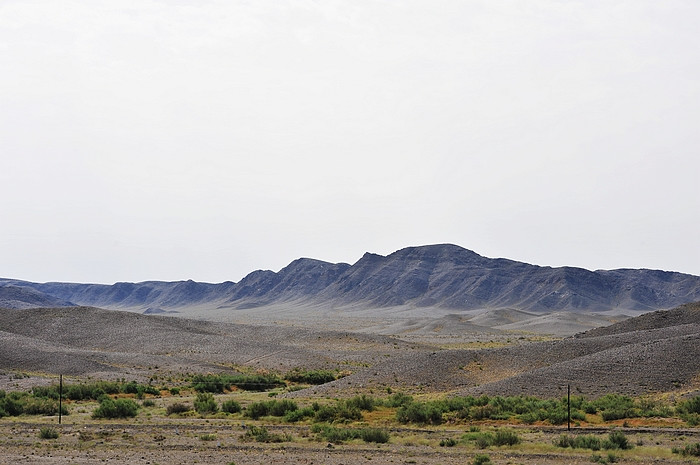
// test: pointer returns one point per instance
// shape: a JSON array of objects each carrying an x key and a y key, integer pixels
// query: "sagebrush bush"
[
  {"x": 222, "y": 382},
  {"x": 340, "y": 435},
  {"x": 276, "y": 408},
  {"x": 231, "y": 406},
  {"x": 688, "y": 450},
  {"x": 205, "y": 403},
  {"x": 689, "y": 406},
  {"x": 177, "y": 407},
  {"x": 482, "y": 459},
  {"x": 294, "y": 416},
  {"x": 617, "y": 440},
  {"x": 398, "y": 399},
  {"x": 315, "y": 377},
  {"x": 48, "y": 432},
  {"x": 120, "y": 408},
  {"x": 362, "y": 402},
  {"x": 506, "y": 437},
  {"x": 578, "y": 442},
  {"x": 420, "y": 412},
  {"x": 340, "y": 412},
  {"x": 261, "y": 434}
]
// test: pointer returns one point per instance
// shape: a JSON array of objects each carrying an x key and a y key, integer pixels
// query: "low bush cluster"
[
  {"x": 688, "y": 450},
  {"x": 231, "y": 406},
  {"x": 205, "y": 403},
  {"x": 340, "y": 435},
  {"x": 119, "y": 408},
  {"x": 482, "y": 459},
  {"x": 275, "y": 408},
  {"x": 177, "y": 408},
  {"x": 94, "y": 391},
  {"x": 262, "y": 434},
  {"x": 22, "y": 403},
  {"x": 526, "y": 409},
  {"x": 224, "y": 382},
  {"x": 47, "y": 432},
  {"x": 615, "y": 440},
  {"x": 500, "y": 437},
  {"x": 578, "y": 442},
  {"x": 314, "y": 377},
  {"x": 531, "y": 409}
]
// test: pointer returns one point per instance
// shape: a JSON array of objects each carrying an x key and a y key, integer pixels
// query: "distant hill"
[
  {"x": 26, "y": 297},
  {"x": 445, "y": 276},
  {"x": 654, "y": 353}
]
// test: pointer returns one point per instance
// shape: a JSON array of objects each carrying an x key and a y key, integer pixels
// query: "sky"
[{"x": 181, "y": 139}]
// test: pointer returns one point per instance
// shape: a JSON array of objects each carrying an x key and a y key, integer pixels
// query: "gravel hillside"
[{"x": 657, "y": 352}]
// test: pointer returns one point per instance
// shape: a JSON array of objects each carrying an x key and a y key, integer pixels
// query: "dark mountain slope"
[
  {"x": 445, "y": 276},
  {"x": 26, "y": 297},
  {"x": 302, "y": 279}
]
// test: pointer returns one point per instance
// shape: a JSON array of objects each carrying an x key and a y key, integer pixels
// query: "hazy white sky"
[{"x": 176, "y": 139}]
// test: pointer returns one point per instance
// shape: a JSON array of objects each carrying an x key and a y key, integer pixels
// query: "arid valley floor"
[{"x": 652, "y": 359}]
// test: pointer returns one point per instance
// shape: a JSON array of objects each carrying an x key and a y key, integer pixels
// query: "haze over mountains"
[{"x": 435, "y": 276}]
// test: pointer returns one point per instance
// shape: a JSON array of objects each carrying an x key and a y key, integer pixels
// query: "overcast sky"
[{"x": 177, "y": 139}]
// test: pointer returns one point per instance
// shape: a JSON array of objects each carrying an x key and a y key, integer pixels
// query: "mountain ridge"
[{"x": 439, "y": 275}]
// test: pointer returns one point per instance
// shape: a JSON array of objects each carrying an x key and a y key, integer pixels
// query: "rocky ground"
[
  {"x": 181, "y": 442},
  {"x": 105, "y": 344}
]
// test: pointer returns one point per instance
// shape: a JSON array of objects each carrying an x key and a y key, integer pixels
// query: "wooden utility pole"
[
  {"x": 568, "y": 406},
  {"x": 60, "y": 397}
]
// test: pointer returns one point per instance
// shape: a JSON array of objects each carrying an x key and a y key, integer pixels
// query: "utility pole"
[
  {"x": 568, "y": 407},
  {"x": 60, "y": 397}
]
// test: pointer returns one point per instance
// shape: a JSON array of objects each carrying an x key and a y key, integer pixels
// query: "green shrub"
[
  {"x": 689, "y": 406},
  {"x": 148, "y": 403},
  {"x": 449, "y": 442},
  {"x": 177, "y": 407},
  {"x": 43, "y": 406},
  {"x": 48, "y": 432},
  {"x": 340, "y": 435},
  {"x": 279, "y": 408},
  {"x": 311, "y": 377},
  {"x": 398, "y": 399},
  {"x": 12, "y": 403},
  {"x": 276, "y": 408},
  {"x": 481, "y": 439},
  {"x": 578, "y": 442},
  {"x": 294, "y": 416},
  {"x": 362, "y": 402},
  {"x": 120, "y": 408},
  {"x": 617, "y": 440},
  {"x": 261, "y": 434},
  {"x": 374, "y": 435},
  {"x": 482, "y": 459},
  {"x": 688, "y": 450},
  {"x": 220, "y": 383},
  {"x": 506, "y": 438},
  {"x": 420, "y": 412},
  {"x": 175, "y": 391},
  {"x": 208, "y": 437},
  {"x": 501, "y": 437},
  {"x": 340, "y": 412},
  {"x": 231, "y": 406},
  {"x": 93, "y": 391},
  {"x": 205, "y": 403}
]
